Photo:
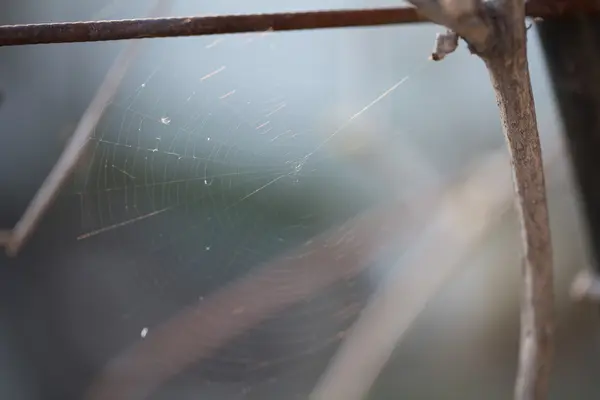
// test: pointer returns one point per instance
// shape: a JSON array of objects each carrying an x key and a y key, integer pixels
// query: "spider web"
[{"x": 209, "y": 162}]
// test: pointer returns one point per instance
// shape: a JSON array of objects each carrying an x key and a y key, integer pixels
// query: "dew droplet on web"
[
  {"x": 208, "y": 139},
  {"x": 207, "y": 248},
  {"x": 165, "y": 120},
  {"x": 144, "y": 332}
]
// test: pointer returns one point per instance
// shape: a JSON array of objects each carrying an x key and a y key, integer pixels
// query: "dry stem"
[
  {"x": 517, "y": 112},
  {"x": 495, "y": 30},
  {"x": 76, "y": 146}
]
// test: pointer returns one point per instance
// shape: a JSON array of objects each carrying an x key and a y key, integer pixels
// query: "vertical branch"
[
  {"x": 509, "y": 73},
  {"x": 515, "y": 101},
  {"x": 495, "y": 31}
]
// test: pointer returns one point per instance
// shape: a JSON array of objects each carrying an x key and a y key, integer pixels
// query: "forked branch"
[{"x": 495, "y": 31}]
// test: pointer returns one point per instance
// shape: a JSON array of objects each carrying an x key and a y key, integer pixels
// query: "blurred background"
[{"x": 223, "y": 156}]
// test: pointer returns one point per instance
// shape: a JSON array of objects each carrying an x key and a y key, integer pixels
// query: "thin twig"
[
  {"x": 91, "y": 31},
  {"x": 61, "y": 171},
  {"x": 495, "y": 30}
]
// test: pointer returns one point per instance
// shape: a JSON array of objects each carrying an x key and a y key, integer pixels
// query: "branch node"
[
  {"x": 445, "y": 43},
  {"x": 494, "y": 31},
  {"x": 586, "y": 286},
  {"x": 468, "y": 18}
]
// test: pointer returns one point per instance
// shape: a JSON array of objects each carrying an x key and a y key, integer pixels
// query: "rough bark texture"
[
  {"x": 515, "y": 101},
  {"x": 495, "y": 30},
  {"x": 509, "y": 72}
]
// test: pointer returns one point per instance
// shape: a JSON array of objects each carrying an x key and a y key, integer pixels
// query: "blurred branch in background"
[
  {"x": 75, "y": 148},
  {"x": 346, "y": 251},
  {"x": 462, "y": 216},
  {"x": 93, "y": 31}
]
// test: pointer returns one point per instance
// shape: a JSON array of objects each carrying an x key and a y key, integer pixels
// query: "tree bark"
[
  {"x": 517, "y": 111},
  {"x": 495, "y": 30}
]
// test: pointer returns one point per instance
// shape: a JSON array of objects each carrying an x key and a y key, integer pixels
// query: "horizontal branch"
[{"x": 95, "y": 31}]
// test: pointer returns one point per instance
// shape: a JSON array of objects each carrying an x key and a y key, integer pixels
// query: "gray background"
[{"x": 68, "y": 305}]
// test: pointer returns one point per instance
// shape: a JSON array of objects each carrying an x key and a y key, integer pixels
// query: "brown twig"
[
  {"x": 75, "y": 147},
  {"x": 517, "y": 109},
  {"x": 92, "y": 31},
  {"x": 495, "y": 30},
  {"x": 201, "y": 25}
]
